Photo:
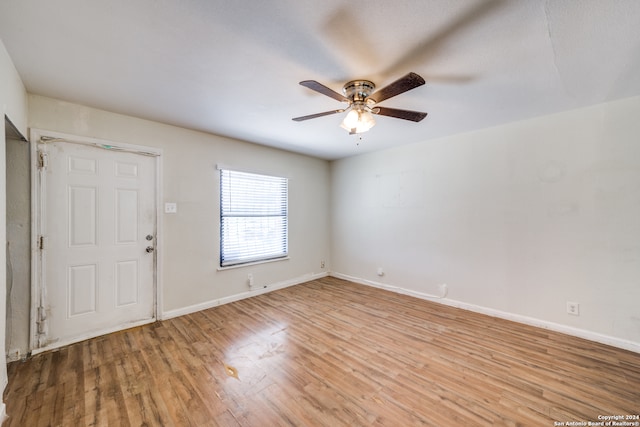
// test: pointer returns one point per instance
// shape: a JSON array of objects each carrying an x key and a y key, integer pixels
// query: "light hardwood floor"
[{"x": 326, "y": 353}]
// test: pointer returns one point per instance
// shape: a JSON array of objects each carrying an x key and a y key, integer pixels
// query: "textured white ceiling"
[{"x": 232, "y": 67}]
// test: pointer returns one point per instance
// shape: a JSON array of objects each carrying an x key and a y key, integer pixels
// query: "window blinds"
[{"x": 253, "y": 217}]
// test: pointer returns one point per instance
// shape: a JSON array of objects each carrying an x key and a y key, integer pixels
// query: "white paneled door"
[{"x": 98, "y": 225}]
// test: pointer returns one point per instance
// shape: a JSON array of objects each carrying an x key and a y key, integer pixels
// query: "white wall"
[
  {"x": 13, "y": 102},
  {"x": 190, "y": 278},
  {"x": 13, "y": 96},
  {"x": 18, "y": 248},
  {"x": 517, "y": 219}
]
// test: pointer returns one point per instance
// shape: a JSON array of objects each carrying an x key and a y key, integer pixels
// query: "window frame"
[{"x": 266, "y": 210}]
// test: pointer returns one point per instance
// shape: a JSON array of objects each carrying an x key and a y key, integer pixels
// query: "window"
[{"x": 253, "y": 217}]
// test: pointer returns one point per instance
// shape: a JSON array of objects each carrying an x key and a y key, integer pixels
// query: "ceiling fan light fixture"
[
  {"x": 362, "y": 100},
  {"x": 358, "y": 120}
]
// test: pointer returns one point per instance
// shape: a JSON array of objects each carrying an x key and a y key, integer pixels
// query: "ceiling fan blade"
[
  {"x": 319, "y": 87},
  {"x": 403, "y": 84},
  {"x": 313, "y": 116},
  {"x": 414, "y": 116}
]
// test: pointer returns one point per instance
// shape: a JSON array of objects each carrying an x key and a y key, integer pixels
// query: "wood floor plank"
[{"x": 325, "y": 353}]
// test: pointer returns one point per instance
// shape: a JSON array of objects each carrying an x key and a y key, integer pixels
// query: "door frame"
[{"x": 38, "y": 214}]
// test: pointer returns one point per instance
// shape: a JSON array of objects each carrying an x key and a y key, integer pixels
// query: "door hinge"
[
  {"x": 42, "y": 317},
  {"x": 42, "y": 314},
  {"x": 42, "y": 242},
  {"x": 43, "y": 160}
]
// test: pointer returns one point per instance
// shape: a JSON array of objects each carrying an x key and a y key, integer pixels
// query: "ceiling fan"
[{"x": 362, "y": 100}]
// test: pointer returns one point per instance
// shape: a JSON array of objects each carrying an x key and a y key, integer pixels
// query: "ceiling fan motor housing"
[{"x": 358, "y": 90}]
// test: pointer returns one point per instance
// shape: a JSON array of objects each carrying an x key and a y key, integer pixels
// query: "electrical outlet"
[
  {"x": 322, "y": 264},
  {"x": 171, "y": 208},
  {"x": 573, "y": 308}
]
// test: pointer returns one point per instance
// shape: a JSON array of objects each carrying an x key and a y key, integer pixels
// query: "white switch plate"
[{"x": 170, "y": 208}]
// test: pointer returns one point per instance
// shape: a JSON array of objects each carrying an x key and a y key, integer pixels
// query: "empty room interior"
[{"x": 339, "y": 213}]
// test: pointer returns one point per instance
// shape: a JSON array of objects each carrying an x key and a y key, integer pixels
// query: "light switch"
[{"x": 170, "y": 208}]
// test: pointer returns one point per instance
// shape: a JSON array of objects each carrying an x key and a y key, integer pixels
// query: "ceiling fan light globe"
[
  {"x": 358, "y": 121},
  {"x": 351, "y": 120},
  {"x": 366, "y": 120}
]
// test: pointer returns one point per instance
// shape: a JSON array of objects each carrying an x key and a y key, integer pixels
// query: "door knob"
[
  {"x": 149, "y": 237},
  {"x": 149, "y": 249}
]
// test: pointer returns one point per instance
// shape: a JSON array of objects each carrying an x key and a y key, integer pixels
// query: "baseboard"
[
  {"x": 387, "y": 287},
  {"x": 531, "y": 321},
  {"x": 14, "y": 355},
  {"x": 3, "y": 412},
  {"x": 237, "y": 297}
]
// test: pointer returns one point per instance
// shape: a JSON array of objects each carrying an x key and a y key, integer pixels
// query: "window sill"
[{"x": 248, "y": 264}]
